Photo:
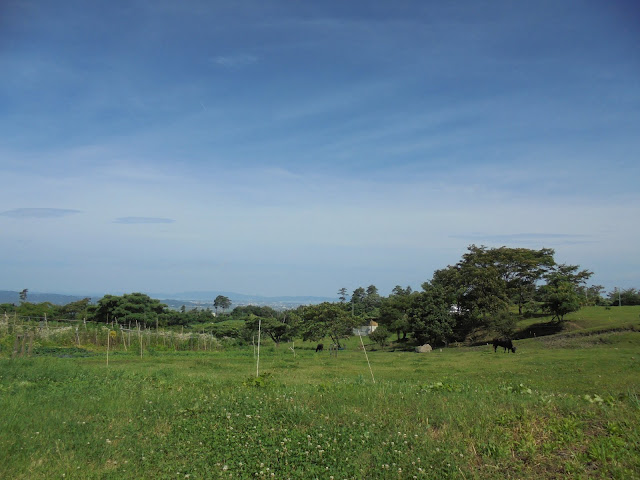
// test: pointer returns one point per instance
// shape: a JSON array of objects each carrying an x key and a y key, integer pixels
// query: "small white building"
[{"x": 365, "y": 329}]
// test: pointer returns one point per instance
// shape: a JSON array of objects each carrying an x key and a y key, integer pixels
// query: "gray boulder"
[{"x": 426, "y": 348}]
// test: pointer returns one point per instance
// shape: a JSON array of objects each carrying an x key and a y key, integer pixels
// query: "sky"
[{"x": 296, "y": 147}]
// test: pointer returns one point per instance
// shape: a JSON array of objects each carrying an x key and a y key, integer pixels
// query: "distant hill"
[
  {"x": 175, "y": 300},
  {"x": 204, "y": 299},
  {"x": 7, "y": 296},
  {"x": 240, "y": 297}
]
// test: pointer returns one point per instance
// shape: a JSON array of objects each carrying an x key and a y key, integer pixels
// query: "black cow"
[
  {"x": 505, "y": 343},
  {"x": 320, "y": 347}
]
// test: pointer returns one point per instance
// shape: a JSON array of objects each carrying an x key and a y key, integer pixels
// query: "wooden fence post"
[{"x": 16, "y": 346}]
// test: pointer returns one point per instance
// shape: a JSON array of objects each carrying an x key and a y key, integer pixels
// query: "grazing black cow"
[
  {"x": 505, "y": 343},
  {"x": 320, "y": 347}
]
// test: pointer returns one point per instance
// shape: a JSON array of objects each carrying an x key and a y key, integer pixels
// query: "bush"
[{"x": 380, "y": 336}]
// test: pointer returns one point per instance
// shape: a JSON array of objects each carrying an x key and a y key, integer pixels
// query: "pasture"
[{"x": 565, "y": 405}]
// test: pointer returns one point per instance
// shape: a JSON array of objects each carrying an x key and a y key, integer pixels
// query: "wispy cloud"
[
  {"x": 234, "y": 61},
  {"x": 39, "y": 212},
  {"x": 142, "y": 220}
]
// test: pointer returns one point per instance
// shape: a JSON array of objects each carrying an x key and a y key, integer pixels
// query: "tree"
[
  {"x": 487, "y": 281},
  {"x": 372, "y": 290},
  {"x": 560, "y": 298},
  {"x": 394, "y": 311},
  {"x": 280, "y": 326},
  {"x": 593, "y": 295},
  {"x": 358, "y": 295},
  {"x": 276, "y": 328},
  {"x": 560, "y": 295},
  {"x": 221, "y": 302},
  {"x": 128, "y": 308},
  {"x": 380, "y": 335},
  {"x": 357, "y": 301},
  {"x": 38, "y": 310},
  {"x": 430, "y": 319},
  {"x": 398, "y": 290},
  {"x": 342, "y": 295},
  {"x": 23, "y": 295},
  {"x": 74, "y": 310},
  {"x": 372, "y": 301},
  {"x": 475, "y": 286},
  {"x": 7, "y": 308},
  {"x": 628, "y": 296},
  {"x": 520, "y": 269},
  {"x": 326, "y": 319},
  {"x": 570, "y": 273}
]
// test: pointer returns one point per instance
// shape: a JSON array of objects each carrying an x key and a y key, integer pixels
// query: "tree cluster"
[
  {"x": 625, "y": 297},
  {"x": 489, "y": 288}
]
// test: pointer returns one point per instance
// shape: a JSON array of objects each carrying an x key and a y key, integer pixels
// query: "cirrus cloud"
[
  {"x": 142, "y": 220},
  {"x": 39, "y": 212}
]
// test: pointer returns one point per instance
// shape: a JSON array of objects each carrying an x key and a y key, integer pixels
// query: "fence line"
[{"x": 25, "y": 332}]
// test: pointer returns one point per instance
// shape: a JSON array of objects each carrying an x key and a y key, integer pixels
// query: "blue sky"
[{"x": 293, "y": 148}]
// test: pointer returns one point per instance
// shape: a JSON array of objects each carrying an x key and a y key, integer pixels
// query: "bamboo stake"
[
  {"x": 258, "y": 362},
  {"x": 16, "y": 346},
  {"x": 367, "y": 357}
]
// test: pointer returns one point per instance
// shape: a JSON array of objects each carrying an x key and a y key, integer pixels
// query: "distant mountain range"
[
  {"x": 176, "y": 300},
  {"x": 35, "y": 297}
]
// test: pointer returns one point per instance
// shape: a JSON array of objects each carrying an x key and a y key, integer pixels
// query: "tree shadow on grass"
[
  {"x": 539, "y": 330},
  {"x": 402, "y": 345}
]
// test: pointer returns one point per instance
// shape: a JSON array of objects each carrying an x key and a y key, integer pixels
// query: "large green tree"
[
  {"x": 128, "y": 308},
  {"x": 521, "y": 269},
  {"x": 475, "y": 287},
  {"x": 487, "y": 281},
  {"x": 430, "y": 319},
  {"x": 560, "y": 295},
  {"x": 560, "y": 298},
  {"x": 326, "y": 319}
]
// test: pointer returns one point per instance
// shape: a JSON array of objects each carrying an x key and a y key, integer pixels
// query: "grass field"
[{"x": 564, "y": 406}]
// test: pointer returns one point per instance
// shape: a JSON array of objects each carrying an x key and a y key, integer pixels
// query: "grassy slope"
[{"x": 563, "y": 406}]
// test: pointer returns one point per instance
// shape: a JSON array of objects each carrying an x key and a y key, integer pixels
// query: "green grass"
[
  {"x": 595, "y": 318},
  {"x": 553, "y": 410}
]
